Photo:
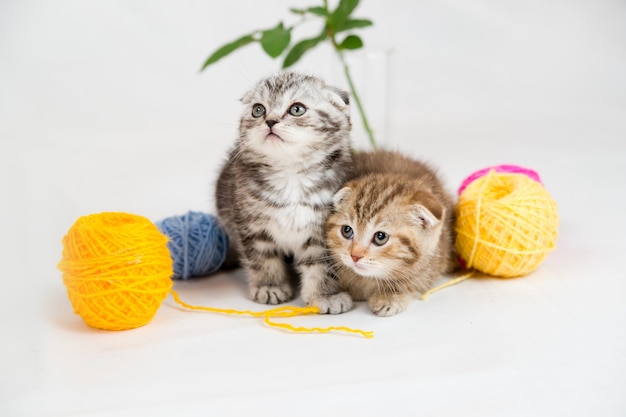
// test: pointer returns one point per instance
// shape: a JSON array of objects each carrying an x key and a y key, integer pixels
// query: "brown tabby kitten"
[
  {"x": 391, "y": 233},
  {"x": 275, "y": 191}
]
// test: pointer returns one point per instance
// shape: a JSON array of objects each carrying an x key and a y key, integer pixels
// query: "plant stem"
[
  {"x": 357, "y": 100},
  {"x": 346, "y": 69}
]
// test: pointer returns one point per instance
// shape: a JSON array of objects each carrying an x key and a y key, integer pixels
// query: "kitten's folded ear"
[
  {"x": 428, "y": 214},
  {"x": 247, "y": 98},
  {"x": 341, "y": 196},
  {"x": 345, "y": 97}
]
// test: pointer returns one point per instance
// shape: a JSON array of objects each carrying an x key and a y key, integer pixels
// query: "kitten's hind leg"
[{"x": 268, "y": 276}]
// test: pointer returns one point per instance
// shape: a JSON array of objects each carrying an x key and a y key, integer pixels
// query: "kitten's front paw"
[
  {"x": 271, "y": 294},
  {"x": 388, "y": 306},
  {"x": 332, "y": 304}
]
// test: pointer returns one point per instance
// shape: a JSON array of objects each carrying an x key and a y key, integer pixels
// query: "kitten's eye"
[
  {"x": 258, "y": 110},
  {"x": 347, "y": 232},
  {"x": 380, "y": 238},
  {"x": 297, "y": 109}
]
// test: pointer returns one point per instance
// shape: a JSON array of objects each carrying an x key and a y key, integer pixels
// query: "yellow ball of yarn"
[
  {"x": 117, "y": 270},
  {"x": 506, "y": 223}
]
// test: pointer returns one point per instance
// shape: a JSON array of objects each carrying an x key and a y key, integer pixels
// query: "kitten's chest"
[
  {"x": 313, "y": 188},
  {"x": 296, "y": 204}
]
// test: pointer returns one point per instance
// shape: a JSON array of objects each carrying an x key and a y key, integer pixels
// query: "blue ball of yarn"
[{"x": 197, "y": 243}]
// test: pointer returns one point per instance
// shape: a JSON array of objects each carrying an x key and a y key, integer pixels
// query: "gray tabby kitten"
[
  {"x": 275, "y": 191},
  {"x": 391, "y": 233}
]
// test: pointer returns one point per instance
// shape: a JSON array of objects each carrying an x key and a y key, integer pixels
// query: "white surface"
[{"x": 102, "y": 109}]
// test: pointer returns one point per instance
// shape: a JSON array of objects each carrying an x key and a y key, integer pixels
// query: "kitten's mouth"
[
  {"x": 362, "y": 269},
  {"x": 273, "y": 136},
  {"x": 358, "y": 267}
]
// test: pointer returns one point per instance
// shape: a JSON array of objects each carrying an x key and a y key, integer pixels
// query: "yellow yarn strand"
[
  {"x": 278, "y": 312},
  {"x": 447, "y": 284},
  {"x": 270, "y": 313}
]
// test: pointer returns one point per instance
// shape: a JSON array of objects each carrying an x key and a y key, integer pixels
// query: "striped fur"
[
  {"x": 405, "y": 200},
  {"x": 275, "y": 191}
]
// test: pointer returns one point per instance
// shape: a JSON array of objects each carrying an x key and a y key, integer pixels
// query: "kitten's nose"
[
  {"x": 271, "y": 123},
  {"x": 355, "y": 258}
]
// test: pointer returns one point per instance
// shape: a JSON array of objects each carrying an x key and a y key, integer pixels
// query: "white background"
[{"x": 103, "y": 108}]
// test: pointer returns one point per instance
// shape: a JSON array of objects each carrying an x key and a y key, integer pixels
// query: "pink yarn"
[{"x": 509, "y": 169}]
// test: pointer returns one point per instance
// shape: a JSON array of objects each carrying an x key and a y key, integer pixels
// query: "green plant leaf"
[
  {"x": 345, "y": 8},
  {"x": 274, "y": 41},
  {"x": 351, "y": 42},
  {"x": 227, "y": 49},
  {"x": 320, "y": 11},
  {"x": 337, "y": 20},
  {"x": 317, "y": 10},
  {"x": 300, "y": 49},
  {"x": 353, "y": 24}
]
